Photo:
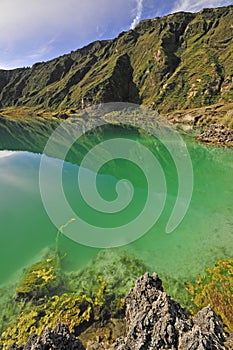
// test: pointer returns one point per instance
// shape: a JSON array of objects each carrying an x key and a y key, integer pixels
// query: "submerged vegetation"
[
  {"x": 69, "y": 308},
  {"x": 40, "y": 280},
  {"x": 46, "y": 295},
  {"x": 215, "y": 288}
]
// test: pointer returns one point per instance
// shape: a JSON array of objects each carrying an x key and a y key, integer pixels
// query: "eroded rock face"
[
  {"x": 155, "y": 321},
  {"x": 206, "y": 332}
]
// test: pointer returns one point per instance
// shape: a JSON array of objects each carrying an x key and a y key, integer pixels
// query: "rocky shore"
[
  {"x": 217, "y": 134},
  {"x": 153, "y": 321}
]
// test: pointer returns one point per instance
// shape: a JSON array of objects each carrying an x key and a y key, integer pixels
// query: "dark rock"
[
  {"x": 34, "y": 343},
  {"x": 62, "y": 116},
  {"x": 155, "y": 321},
  {"x": 15, "y": 347},
  {"x": 206, "y": 332},
  {"x": 61, "y": 338},
  {"x": 217, "y": 134},
  {"x": 58, "y": 338}
]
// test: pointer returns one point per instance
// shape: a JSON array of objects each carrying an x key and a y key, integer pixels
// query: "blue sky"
[{"x": 38, "y": 30}]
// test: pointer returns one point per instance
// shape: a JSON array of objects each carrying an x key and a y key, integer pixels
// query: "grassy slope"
[{"x": 163, "y": 57}]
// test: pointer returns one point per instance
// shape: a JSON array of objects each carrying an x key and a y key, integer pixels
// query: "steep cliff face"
[{"x": 180, "y": 61}]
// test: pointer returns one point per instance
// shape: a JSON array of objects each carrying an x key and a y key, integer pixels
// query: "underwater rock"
[
  {"x": 155, "y": 321},
  {"x": 103, "y": 334},
  {"x": 58, "y": 338}
]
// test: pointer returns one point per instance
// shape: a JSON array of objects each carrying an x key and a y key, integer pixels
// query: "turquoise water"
[{"x": 204, "y": 235}]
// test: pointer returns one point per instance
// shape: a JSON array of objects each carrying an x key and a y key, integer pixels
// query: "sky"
[{"x": 38, "y": 30}]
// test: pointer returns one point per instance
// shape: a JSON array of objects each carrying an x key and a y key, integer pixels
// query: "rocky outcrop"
[
  {"x": 58, "y": 338},
  {"x": 155, "y": 321},
  {"x": 217, "y": 134},
  {"x": 118, "y": 87}
]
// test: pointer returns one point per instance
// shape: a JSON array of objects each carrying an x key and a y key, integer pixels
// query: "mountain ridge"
[{"x": 180, "y": 61}]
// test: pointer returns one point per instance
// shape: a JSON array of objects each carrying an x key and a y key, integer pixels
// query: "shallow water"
[{"x": 204, "y": 235}]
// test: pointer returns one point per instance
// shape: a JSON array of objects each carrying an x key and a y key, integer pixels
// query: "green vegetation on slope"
[
  {"x": 179, "y": 61},
  {"x": 88, "y": 300}
]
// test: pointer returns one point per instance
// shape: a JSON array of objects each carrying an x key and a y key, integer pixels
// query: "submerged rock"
[{"x": 155, "y": 321}]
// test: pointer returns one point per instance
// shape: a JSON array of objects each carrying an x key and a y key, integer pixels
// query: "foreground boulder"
[{"x": 155, "y": 321}]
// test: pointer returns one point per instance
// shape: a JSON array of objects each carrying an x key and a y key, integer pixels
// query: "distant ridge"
[{"x": 179, "y": 61}]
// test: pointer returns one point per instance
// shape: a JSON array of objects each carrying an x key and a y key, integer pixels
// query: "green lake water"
[{"x": 204, "y": 235}]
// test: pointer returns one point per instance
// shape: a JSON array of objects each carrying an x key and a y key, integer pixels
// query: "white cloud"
[
  {"x": 138, "y": 16},
  {"x": 194, "y": 6},
  {"x": 38, "y": 29},
  {"x": 35, "y": 30}
]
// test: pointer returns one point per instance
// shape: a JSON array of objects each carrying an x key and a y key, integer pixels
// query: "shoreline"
[
  {"x": 217, "y": 135},
  {"x": 205, "y": 124}
]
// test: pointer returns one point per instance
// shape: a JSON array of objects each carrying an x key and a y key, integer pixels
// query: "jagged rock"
[
  {"x": 155, "y": 321},
  {"x": 206, "y": 332},
  {"x": 58, "y": 338},
  {"x": 98, "y": 345}
]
